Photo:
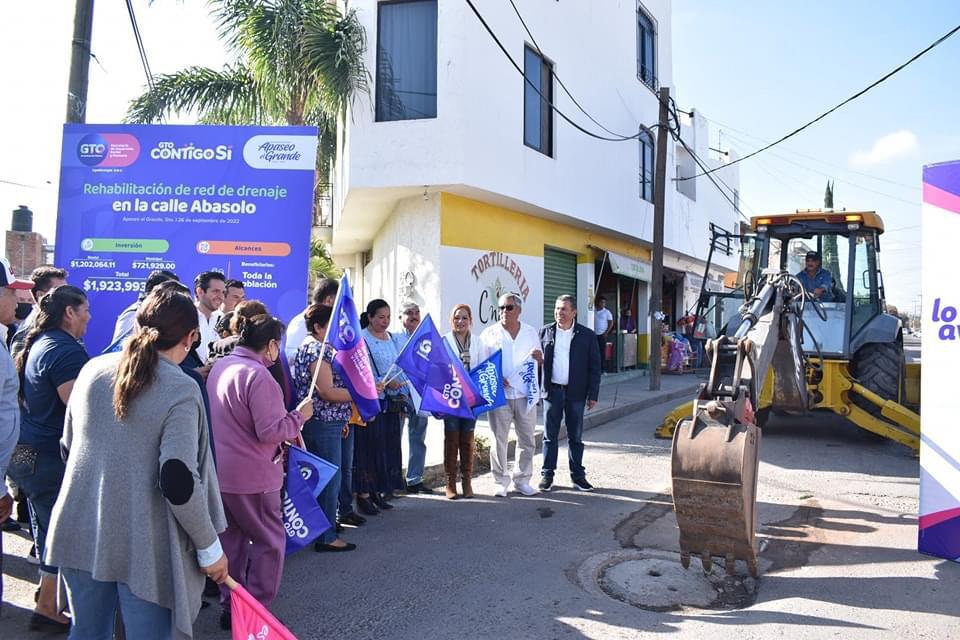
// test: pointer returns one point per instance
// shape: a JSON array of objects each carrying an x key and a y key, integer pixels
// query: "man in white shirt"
[
  {"x": 210, "y": 288},
  {"x": 570, "y": 389},
  {"x": 518, "y": 342},
  {"x": 603, "y": 325},
  {"x": 324, "y": 293}
]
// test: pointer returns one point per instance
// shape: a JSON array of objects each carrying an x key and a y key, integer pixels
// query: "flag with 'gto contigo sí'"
[
  {"x": 303, "y": 519},
  {"x": 488, "y": 378},
  {"x": 352, "y": 360},
  {"x": 443, "y": 384},
  {"x": 250, "y": 620}
]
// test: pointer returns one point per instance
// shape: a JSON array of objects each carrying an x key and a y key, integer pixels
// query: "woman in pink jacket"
[{"x": 249, "y": 425}]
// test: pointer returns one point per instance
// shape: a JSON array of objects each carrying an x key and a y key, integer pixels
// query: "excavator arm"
[{"x": 716, "y": 450}]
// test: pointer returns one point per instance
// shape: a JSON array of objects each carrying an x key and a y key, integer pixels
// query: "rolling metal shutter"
[{"x": 559, "y": 278}]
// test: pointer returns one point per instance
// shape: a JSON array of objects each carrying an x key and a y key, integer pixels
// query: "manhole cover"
[{"x": 659, "y": 585}]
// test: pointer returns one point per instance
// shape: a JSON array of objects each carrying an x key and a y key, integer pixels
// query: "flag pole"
[{"x": 231, "y": 583}]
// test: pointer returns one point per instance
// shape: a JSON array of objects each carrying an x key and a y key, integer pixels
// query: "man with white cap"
[{"x": 9, "y": 386}]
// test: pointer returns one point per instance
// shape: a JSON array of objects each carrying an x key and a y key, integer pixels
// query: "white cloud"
[{"x": 886, "y": 148}]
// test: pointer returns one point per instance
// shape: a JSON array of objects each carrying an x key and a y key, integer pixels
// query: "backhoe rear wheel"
[{"x": 881, "y": 368}]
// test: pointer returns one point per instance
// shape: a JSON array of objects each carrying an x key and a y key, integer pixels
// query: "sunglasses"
[{"x": 508, "y": 307}]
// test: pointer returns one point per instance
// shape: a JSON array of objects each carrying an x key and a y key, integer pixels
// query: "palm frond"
[
  {"x": 230, "y": 96},
  {"x": 333, "y": 51}
]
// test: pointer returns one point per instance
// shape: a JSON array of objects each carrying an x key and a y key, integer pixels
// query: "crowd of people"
[{"x": 153, "y": 471}]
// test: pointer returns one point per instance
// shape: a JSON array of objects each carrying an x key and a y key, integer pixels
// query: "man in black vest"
[{"x": 571, "y": 378}]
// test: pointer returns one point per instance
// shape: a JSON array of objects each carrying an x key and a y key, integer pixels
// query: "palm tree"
[
  {"x": 298, "y": 62},
  {"x": 321, "y": 262}
]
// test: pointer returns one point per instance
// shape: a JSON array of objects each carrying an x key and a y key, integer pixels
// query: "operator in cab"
[{"x": 817, "y": 280}]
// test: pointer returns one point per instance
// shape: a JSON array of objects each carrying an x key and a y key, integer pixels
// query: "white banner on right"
[{"x": 939, "y": 533}]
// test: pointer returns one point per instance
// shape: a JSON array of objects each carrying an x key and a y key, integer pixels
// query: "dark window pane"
[
  {"x": 647, "y": 149},
  {"x": 531, "y": 100},
  {"x": 646, "y": 49},
  {"x": 407, "y": 60},
  {"x": 537, "y": 113}
]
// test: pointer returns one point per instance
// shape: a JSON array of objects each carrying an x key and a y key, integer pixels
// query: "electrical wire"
[
  {"x": 747, "y": 145},
  {"x": 823, "y": 115},
  {"x": 553, "y": 107},
  {"x": 726, "y": 128},
  {"x": 709, "y": 174},
  {"x": 559, "y": 81},
  {"x": 140, "y": 48}
]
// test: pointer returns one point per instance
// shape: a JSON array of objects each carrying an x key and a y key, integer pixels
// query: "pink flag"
[{"x": 250, "y": 620}]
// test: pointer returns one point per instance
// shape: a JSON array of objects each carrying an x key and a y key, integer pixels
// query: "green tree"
[
  {"x": 321, "y": 262},
  {"x": 297, "y": 62},
  {"x": 831, "y": 257}
]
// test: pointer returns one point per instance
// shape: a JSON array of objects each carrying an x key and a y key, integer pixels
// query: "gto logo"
[
  {"x": 345, "y": 331},
  {"x": 92, "y": 147},
  {"x": 424, "y": 349}
]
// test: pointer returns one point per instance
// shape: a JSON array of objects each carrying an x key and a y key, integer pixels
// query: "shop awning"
[{"x": 629, "y": 267}]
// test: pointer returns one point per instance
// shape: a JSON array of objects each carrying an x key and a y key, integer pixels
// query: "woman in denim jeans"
[
  {"x": 51, "y": 359},
  {"x": 324, "y": 432}
]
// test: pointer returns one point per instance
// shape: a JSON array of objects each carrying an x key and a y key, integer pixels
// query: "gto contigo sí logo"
[{"x": 169, "y": 151}]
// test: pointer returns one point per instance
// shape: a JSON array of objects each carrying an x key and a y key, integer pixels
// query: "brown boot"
[
  {"x": 468, "y": 451},
  {"x": 451, "y": 445}
]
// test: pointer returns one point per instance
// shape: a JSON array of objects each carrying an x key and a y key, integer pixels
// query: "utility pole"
[
  {"x": 80, "y": 61},
  {"x": 659, "y": 203}
]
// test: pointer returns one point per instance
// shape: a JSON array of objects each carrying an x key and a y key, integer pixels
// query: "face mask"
[{"x": 23, "y": 310}]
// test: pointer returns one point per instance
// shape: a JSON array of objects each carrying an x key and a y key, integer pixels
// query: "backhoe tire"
[{"x": 881, "y": 368}]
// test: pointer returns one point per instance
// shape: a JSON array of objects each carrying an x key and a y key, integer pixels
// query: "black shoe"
[
  {"x": 320, "y": 547},
  {"x": 226, "y": 621},
  {"x": 10, "y": 525},
  {"x": 419, "y": 488},
  {"x": 546, "y": 483},
  {"x": 40, "y": 622},
  {"x": 353, "y": 520},
  {"x": 583, "y": 485},
  {"x": 381, "y": 502},
  {"x": 367, "y": 506}
]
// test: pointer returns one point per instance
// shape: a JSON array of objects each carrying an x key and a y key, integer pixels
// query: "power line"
[
  {"x": 738, "y": 140},
  {"x": 709, "y": 174},
  {"x": 823, "y": 115},
  {"x": 559, "y": 81},
  {"x": 543, "y": 97},
  {"x": 140, "y": 48},
  {"x": 745, "y": 134}
]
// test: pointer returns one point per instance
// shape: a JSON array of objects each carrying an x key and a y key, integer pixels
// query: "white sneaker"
[
  {"x": 501, "y": 491},
  {"x": 527, "y": 490}
]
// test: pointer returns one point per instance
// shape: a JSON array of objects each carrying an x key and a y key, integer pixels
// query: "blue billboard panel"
[{"x": 136, "y": 198}]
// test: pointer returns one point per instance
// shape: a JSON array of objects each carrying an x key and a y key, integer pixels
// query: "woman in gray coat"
[{"x": 137, "y": 519}]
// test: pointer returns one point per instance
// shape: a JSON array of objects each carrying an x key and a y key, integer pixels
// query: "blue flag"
[
  {"x": 352, "y": 360},
  {"x": 303, "y": 519},
  {"x": 421, "y": 353},
  {"x": 443, "y": 384},
  {"x": 488, "y": 378}
]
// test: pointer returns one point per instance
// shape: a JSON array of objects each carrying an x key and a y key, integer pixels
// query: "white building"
[{"x": 456, "y": 181}]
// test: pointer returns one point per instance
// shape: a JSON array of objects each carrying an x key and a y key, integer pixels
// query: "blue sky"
[
  {"x": 759, "y": 67},
  {"x": 762, "y": 68}
]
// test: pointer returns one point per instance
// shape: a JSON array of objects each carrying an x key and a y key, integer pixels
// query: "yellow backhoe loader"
[{"x": 773, "y": 345}]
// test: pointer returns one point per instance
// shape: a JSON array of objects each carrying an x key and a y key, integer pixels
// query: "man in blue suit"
[{"x": 571, "y": 379}]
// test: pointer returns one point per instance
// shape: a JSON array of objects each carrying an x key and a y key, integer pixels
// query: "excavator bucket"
[{"x": 714, "y": 468}]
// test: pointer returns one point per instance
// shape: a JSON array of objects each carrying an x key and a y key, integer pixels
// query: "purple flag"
[
  {"x": 440, "y": 379},
  {"x": 352, "y": 360}
]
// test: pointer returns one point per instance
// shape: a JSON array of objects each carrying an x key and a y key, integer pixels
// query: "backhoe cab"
[{"x": 781, "y": 341}]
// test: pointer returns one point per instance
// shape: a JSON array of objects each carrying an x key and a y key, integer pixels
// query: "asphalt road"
[{"x": 837, "y": 513}]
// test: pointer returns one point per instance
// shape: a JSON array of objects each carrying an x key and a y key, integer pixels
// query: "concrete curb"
[{"x": 434, "y": 475}]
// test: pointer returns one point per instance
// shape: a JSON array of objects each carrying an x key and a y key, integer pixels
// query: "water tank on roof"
[{"x": 22, "y": 219}]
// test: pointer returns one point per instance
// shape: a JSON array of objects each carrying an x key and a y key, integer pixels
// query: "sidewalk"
[{"x": 620, "y": 395}]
